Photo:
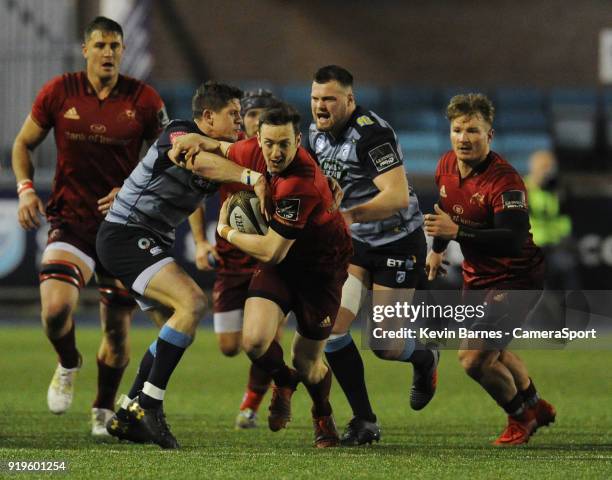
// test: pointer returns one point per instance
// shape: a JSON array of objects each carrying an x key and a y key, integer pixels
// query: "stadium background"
[{"x": 547, "y": 66}]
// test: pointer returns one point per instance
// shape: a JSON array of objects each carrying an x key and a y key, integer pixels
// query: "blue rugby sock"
[{"x": 171, "y": 345}]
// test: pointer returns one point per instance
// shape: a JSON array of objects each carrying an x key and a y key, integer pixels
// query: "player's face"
[
  {"x": 251, "y": 121},
  {"x": 279, "y": 144},
  {"x": 225, "y": 124},
  {"x": 103, "y": 52},
  {"x": 331, "y": 105},
  {"x": 471, "y": 138}
]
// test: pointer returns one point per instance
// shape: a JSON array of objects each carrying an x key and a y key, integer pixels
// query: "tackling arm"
[{"x": 393, "y": 196}]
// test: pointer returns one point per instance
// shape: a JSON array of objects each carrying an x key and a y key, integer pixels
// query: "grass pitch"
[{"x": 449, "y": 439}]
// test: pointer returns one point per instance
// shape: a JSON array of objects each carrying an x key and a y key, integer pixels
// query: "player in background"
[
  {"x": 360, "y": 150},
  {"x": 303, "y": 260},
  {"x": 483, "y": 206},
  {"x": 134, "y": 240},
  {"x": 100, "y": 121}
]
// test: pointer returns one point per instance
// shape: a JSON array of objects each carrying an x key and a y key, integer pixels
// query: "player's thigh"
[
  {"x": 262, "y": 317},
  {"x": 229, "y": 343},
  {"x": 307, "y": 349},
  {"x": 353, "y": 294},
  {"x": 173, "y": 287}
]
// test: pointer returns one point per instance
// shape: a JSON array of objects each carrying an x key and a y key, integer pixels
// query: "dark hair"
[
  {"x": 104, "y": 25},
  {"x": 334, "y": 72},
  {"x": 213, "y": 96},
  {"x": 281, "y": 114},
  {"x": 471, "y": 104},
  {"x": 259, "y": 98}
]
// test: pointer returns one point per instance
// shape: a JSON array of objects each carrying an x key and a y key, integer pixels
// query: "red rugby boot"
[{"x": 518, "y": 431}]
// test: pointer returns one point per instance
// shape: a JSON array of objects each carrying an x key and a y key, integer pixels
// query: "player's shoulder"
[
  {"x": 137, "y": 90},
  {"x": 369, "y": 126},
  {"x": 501, "y": 170},
  {"x": 67, "y": 84},
  {"x": 176, "y": 128}
]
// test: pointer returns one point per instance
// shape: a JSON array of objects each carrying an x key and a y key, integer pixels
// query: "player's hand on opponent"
[
  {"x": 105, "y": 203},
  {"x": 202, "y": 250},
  {"x": 440, "y": 225},
  {"x": 264, "y": 194},
  {"x": 186, "y": 147},
  {"x": 435, "y": 265},
  {"x": 30, "y": 210},
  {"x": 337, "y": 193}
]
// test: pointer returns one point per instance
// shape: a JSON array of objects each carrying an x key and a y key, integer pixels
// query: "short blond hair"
[{"x": 471, "y": 104}]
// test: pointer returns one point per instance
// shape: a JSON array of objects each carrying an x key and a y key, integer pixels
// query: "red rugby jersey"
[
  {"x": 98, "y": 142},
  {"x": 301, "y": 198},
  {"x": 493, "y": 186}
]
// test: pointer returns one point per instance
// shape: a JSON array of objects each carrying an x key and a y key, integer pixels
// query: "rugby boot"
[
  {"x": 280, "y": 407},
  {"x": 544, "y": 412},
  {"x": 424, "y": 382},
  {"x": 61, "y": 388},
  {"x": 325, "y": 432},
  {"x": 121, "y": 426},
  {"x": 99, "y": 419},
  {"x": 152, "y": 422},
  {"x": 359, "y": 432},
  {"x": 518, "y": 431},
  {"x": 246, "y": 419}
]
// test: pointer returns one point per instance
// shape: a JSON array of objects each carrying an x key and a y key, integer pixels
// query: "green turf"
[{"x": 449, "y": 439}]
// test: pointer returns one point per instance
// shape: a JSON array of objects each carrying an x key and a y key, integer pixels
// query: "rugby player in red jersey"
[
  {"x": 303, "y": 265},
  {"x": 233, "y": 275},
  {"x": 100, "y": 121},
  {"x": 483, "y": 206}
]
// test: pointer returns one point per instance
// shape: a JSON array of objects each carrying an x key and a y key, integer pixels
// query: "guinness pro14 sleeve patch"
[
  {"x": 514, "y": 199},
  {"x": 288, "y": 209},
  {"x": 383, "y": 157}
]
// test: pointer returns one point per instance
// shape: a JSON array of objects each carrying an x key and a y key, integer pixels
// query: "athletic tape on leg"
[
  {"x": 152, "y": 391},
  {"x": 353, "y": 293},
  {"x": 338, "y": 342},
  {"x": 175, "y": 337}
]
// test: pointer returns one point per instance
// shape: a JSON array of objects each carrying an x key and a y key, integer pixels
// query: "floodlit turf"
[{"x": 449, "y": 439}]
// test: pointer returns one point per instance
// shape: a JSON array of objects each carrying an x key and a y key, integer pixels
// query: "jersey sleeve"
[
  {"x": 241, "y": 151},
  {"x": 509, "y": 193},
  {"x": 48, "y": 103},
  {"x": 377, "y": 149},
  {"x": 156, "y": 117},
  {"x": 294, "y": 202}
]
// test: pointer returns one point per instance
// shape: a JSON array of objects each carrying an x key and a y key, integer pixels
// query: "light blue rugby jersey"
[
  {"x": 366, "y": 148},
  {"x": 158, "y": 195}
]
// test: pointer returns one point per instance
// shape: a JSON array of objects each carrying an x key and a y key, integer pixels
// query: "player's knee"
[
  {"x": 194, "y": 305},
  {"x": 255, "y": 346},
  {"x": 230, "y": 347},
  {"x": 116, "y": 339},
  {"x": 307, "y": 370},
  {"x": 472, "y": 362},
  {"x": 54, "y": 315},
  {"x": 386, "y": 354}
]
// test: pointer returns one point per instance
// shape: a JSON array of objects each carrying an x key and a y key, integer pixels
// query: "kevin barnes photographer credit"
[{"x": 323, "y": 239}]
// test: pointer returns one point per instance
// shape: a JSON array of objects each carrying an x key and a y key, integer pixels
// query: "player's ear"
[
  {"x": 208, "y": 116},
  {"x": 258, "y": 138},
  {"x": 351, "y": 97},
  {"x": 490, "y": 135},
  {"x": 298, "y": 139},
  {"x": 84, "y": 50}
]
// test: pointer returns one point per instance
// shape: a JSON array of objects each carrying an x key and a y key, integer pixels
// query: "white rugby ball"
[{"x": 245, "y": 215}]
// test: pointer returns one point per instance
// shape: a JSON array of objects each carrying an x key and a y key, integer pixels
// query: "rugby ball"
[{"x": 244, "y": 213}]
